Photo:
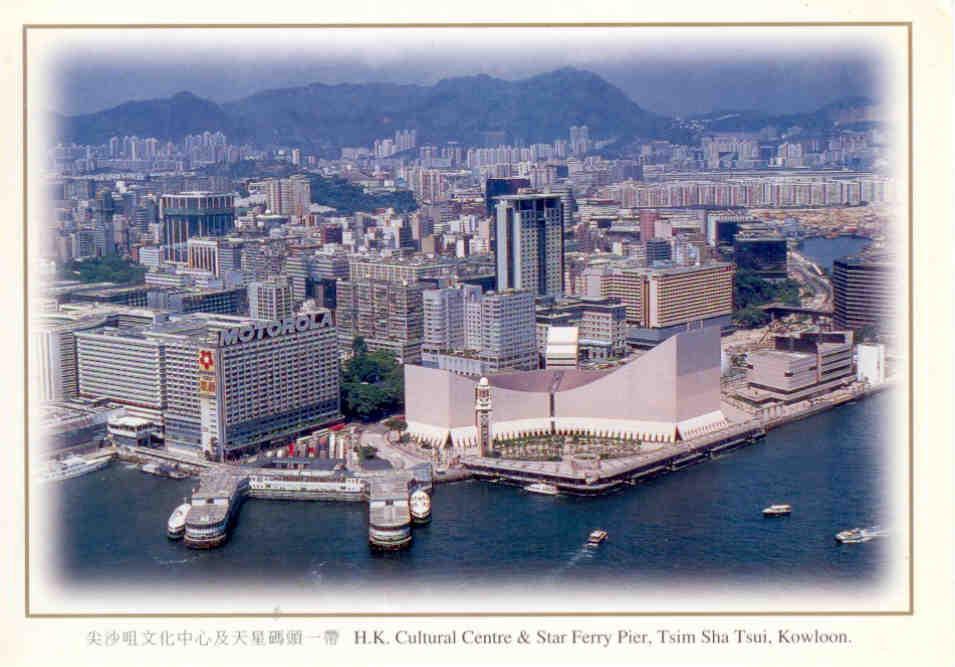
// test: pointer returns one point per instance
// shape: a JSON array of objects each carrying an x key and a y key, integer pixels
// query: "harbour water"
[
  {"x": 703, "y": 522},
  {"x": 825, "y": 251}
]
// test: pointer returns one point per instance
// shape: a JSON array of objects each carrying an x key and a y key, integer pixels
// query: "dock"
[{"x": 223, "y": 488}]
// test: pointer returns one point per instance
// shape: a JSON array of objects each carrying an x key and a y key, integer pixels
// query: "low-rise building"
[{"x": 799, "y": 367}]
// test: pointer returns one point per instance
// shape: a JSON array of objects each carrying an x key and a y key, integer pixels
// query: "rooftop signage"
[{"x": 274, "y": 328}]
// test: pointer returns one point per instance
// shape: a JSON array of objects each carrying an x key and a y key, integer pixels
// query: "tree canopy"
[
  {"x": 109, "y": 269},
  {"x": 750, "y": 291},
  {"x": 372, "y": 384}
]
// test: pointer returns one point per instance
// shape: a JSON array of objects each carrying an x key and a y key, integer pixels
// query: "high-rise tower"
[{"x": 530, "y": 243}]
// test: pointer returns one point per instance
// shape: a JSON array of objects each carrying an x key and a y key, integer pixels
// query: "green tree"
[
  {"x": 396, "y": 424},
  {"x": 372, "y": 384},
  {"x": 109, "y": 269},
  {"x": 750, "y": 317}
]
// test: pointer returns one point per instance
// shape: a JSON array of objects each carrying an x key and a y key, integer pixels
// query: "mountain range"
[{"x": 326, "y": 117}]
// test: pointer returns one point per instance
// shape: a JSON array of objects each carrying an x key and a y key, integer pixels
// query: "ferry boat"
[
  {"x": 176, "y": 526},
  {"x": 858, "y": 535},
  {"x": 542, "y": 488},
  {"x": 596, "y": 537},
  {"x": 778, "y": 510},
  {"x": 852, "y": 536},
  {"x": 73, "y": 466},
  {"x": 420, "y": 506}
]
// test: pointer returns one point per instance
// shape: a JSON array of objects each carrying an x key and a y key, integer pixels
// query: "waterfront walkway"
[{"x": 573, "y": 476}]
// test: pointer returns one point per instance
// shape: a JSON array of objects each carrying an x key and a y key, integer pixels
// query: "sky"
[{"x": 670, "y": 71}]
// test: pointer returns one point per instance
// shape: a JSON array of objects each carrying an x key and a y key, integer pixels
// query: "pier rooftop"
[
  {"x": 388, "y": 501},
  {"x": 211, "y": 501},
  {"x": 390, "y": 487}
]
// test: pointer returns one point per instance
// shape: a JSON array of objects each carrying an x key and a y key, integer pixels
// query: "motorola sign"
[{"x": 274, "y": 328}]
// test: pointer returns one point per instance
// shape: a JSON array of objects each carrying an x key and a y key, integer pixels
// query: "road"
[
  {"x": 375, "y": 435},
  {"x": 807, "y": 273}
]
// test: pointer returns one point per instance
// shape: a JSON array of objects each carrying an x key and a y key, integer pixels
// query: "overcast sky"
[{"x": 671, "y": 71}]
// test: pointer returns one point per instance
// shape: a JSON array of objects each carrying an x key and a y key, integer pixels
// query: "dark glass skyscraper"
[
  {"x": 863, "y": 293},
  {"x": 658, "y": 250},
  {"x": 495, "y": 187},
  {"x": 190, "y": 214}
]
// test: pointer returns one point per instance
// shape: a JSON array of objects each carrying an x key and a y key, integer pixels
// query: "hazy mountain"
[
  {"x": 536, "y": 109},
  {"x": 168, "y": 118},
  {"x": 318, "y": 116},
  {"x": 848, "y": 110}
]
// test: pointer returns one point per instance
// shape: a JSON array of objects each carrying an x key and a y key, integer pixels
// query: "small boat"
[
  {"x": 778, "y": 510},
  {"x": 420, "y": 506},
  {"x": 542, "y": 488},
  {"x": 858, "y": 535},
  {"x": 73, "y": 466},
  {"x": 163, "y": 470},
  {"x": 176, "y": 526},
  {"x": 151, "y": 468},
  {"x": 852, "y": 536},
  {"x": 596, "y": 537}
]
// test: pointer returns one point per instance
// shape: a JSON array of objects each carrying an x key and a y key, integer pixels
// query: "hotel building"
[
  {"x": 665, "y": 300},
  {"x": 220, "y": 385}
]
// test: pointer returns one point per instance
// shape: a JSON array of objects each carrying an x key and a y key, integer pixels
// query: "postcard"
[{"x": 540, "y": 339}]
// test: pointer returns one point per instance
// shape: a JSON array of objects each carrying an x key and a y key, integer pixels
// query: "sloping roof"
[{"x": 546, "y": 381}]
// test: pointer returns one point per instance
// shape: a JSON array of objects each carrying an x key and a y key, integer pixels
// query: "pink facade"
[{"x": 671, "y": 392}]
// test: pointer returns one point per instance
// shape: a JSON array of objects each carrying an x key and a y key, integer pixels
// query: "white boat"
[
  {"x": 176, "y": 526},
  {"x": 542, "y": 488},
  {"x": 596, "y": 537},
  {"x": 420, "y": 506},
  {"x": 852, "y": 536},
  {"x": 778, "y": 510},
  {"x": 73, "y": 466},
  {"x": 858, "y": 535}
]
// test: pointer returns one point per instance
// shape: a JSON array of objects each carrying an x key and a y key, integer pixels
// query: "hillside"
[{"x": 536, "y": 109}]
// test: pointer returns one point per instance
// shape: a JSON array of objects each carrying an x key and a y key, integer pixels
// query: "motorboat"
[
  {"x": 777, "y": 510},
  {"x": 596, "y": 537},
  {"x": 542, "y": 488}
]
